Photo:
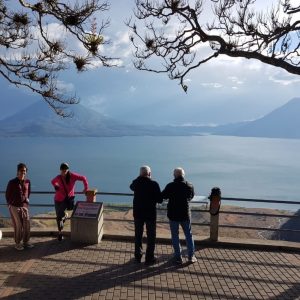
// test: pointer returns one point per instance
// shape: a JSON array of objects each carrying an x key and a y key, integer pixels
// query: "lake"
[{"x": 242, "y": 167}]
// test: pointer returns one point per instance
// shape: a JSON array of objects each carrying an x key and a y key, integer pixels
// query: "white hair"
[
  {"x": 179, "y": 172},
  {"x": 145, "y": 171}
]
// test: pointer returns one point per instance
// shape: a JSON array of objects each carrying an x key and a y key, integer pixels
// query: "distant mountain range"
[
  {"x": 283, "y": 122},
  {"x": 39, "y": 120}
]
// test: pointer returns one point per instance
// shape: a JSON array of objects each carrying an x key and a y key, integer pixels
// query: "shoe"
[
  {"x": 19, "y": 247},
  {"x": 60, "y": 237},
  {"x": 192, "y": 259},
  {"x": 150, "y": 261},
  {"x": 28, "y": 245},
  {"x": 65, "y": 217},
  {"x": 177, "y": 260},
  {"x": 138, "y": 259}
]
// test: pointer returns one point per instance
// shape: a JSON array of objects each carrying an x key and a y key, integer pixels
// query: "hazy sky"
[{"x": 225, "y": 90}]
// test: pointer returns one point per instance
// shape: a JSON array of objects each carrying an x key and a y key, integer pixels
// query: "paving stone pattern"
[{"x": 63, "y": 270}]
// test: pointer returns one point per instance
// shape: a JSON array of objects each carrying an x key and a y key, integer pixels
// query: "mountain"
[
  {"x": 39, "y": 120},
  {"x": 283, "y": 122}
]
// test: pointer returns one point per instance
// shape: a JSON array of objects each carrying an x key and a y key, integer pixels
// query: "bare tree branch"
[
  {"x": 32, "y": 57},
  {"x": 183, "y": 42}
]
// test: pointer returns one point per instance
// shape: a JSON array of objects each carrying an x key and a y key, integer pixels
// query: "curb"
[{"x": 266, "y": 245}]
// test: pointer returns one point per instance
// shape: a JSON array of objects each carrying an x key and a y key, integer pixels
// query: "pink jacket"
[{"x": 60, "y": 193}]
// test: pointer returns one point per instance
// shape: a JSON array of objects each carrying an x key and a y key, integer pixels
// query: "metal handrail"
[
  {"x": 260, "y": 200},
  {"x": 108, "y": 206}
]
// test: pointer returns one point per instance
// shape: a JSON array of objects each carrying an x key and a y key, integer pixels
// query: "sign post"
[{"x": 87, "y": 222}]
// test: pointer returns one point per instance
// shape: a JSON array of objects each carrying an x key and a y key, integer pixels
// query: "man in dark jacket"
[
  {"x": 179, "y": 193},
  {"x": 146, "y": 194}
]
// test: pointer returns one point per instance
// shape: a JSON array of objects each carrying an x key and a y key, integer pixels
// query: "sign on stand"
[
  {"x": 87, "y": 209},
  {"x": 87, "y": 222}
]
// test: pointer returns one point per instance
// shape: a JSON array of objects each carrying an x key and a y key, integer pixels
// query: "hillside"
[
  {"x": 283, "y": 122},
  {"x": 39, "y": 120}
]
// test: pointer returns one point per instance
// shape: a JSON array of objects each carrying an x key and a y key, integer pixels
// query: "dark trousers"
[
  {"x": 60, "y": 208},
  {"x": 151, "y": 236}
]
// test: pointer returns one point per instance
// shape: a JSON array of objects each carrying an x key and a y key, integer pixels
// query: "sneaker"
[
  {"x": 19, "y": 247},
  {"x": 60, "y": 237},
  {"x": 150, "y": 261},
  {"x": 192, "y": 259},
  {"x": 28, "y": 245},
  {"x": 65, "y": 217},
  {"x": 177, "y": 260},
  {"x": 138, "y": 260}
]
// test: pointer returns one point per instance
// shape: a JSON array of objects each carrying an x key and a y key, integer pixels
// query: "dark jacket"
[
  {"x": 179, "y": 193},
  {"x": 18, "y": 192},
  {"x": 146, "y": 194}
]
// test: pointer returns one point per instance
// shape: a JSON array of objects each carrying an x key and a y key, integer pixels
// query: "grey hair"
[
  {"x": 178, "y": 172},
  {"x": 145, "y": 171}
]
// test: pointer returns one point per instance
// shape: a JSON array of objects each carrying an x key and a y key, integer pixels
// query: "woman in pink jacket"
[{"x": 64, "y": 185}]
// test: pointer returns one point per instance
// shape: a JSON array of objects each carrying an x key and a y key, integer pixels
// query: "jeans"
[
  {"x": 151, "y": 236},
  {"x": 187, "y": 229}
]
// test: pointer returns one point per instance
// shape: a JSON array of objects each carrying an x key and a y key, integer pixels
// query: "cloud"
[
  {"x": 281, "y": 77},
  {"x": 283, "y": 81},
  {"x": 95, "y": 102},
  {"x": 132, "y": 89},
  {"x": 65, "y": 87},
  {"x": 215, "y": 85},
  {"x": 234, "y": 79},
  {"x": 120, "y": 45},
  {"x": 254, "y": 65},
  {"x": 55, "y": 31}
]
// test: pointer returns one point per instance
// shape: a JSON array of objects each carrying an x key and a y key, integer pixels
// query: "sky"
[{"x": 223, "y": 91}]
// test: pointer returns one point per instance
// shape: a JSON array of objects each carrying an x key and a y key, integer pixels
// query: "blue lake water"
[{"x": 242, "y": 167}]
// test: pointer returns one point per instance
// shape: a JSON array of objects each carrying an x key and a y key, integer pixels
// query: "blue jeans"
[{"x": 187, "y": 229}]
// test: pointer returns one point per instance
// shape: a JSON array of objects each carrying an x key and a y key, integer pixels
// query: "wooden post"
[
  {"x": 214, "y": 208},
  {"x": 91, "y": 195},
  {"x": 214, "y": 227}
]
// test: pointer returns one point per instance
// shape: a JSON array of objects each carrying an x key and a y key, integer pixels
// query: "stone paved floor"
[{"x": 54, "y": 270}]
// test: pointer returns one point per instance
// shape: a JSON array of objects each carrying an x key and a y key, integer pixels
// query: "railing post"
[
  {"x": 214, "y": 228},
  {"x": 214, "y": 207},
  {"x": 91, "y": 195}
]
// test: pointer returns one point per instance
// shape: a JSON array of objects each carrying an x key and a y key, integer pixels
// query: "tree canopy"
[
  {"x": 184, "y": 37},
  {"x": 36, "y": 44}
]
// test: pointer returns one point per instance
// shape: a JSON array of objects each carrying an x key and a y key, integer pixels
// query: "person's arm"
[
  {"x": 190, "y": 191},
  {"x": 83, "y": 179},
  {"x": 29, "y": 189},
  {"x": 132, "y": 186},
  {"x": 165, "y": 193},
  {"x": 158, "y": 197},
  {"x": 9, "y": 192},
  {"x": 55, "y": 182}
]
